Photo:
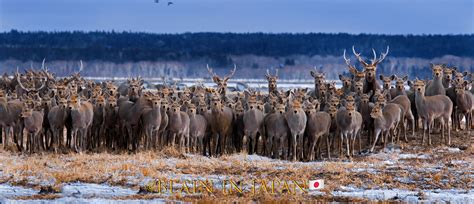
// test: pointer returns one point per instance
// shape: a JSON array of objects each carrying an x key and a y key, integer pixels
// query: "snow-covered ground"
[{"x": 396, "y": 173}]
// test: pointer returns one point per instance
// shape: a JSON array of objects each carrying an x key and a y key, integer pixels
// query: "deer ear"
[
  {"x": 410, "y": 83},
  {"x": 393, "y": 77},
  {"x": 312, "y": 73},
  {"x": 465, "y": 73},
  {"x": 405, "y": 78},
  {"x": 340, "y": 77},
  {"x": 431, "y": 65},
  {"x": 465, "y": 83},
  {"x": 381, "y": 77}
]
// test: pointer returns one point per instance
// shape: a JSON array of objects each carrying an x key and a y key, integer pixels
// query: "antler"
[
  {"x": 359, "y": 57},
  {"x": 43, "y": 83},
  {"x": 269, "y": 75},
  {"x": 348, "y": 61},
  {"x": 210, "y": 71},
  {"x": 81, "y": 68},
  {"x": 381, "y": 58},
  {"x": 231, "y": 73},
  {"x": 42, "y": 64}
]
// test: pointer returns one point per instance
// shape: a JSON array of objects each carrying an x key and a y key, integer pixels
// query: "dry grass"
[{"x": 441, "y": 169}]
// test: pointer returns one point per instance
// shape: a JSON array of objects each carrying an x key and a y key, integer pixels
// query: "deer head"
[
  {"x": 376, "y": 111},
  {"x": 359, "y": 87},
  {"x": 319, "y": 77},
  {"x": 370, "y": 68},
  {"x": 400, "y": 82},
  {"x": 221, "y": 82},
  {"x": 74, "y": 102},
  {"x": 419, "y": 86},
  {"x": 272, "y": 80},
  {"x": 346, "y": 81},
  {"x": 437, "y": 70},
  {"x": 332, "y": 111},
  {"x": 448, "y": 73},
  {"x": 387, "y": 81}
]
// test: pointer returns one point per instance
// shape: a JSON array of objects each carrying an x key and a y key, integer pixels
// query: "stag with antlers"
[
  {"x": 370, "y": 82},
  {"x": 221, "y": 82}
]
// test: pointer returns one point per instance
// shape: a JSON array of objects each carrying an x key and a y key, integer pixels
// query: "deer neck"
[{"x": 419, "y": 98}]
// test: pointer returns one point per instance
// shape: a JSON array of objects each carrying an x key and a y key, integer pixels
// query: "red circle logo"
[{"x": 316, "y": 184}]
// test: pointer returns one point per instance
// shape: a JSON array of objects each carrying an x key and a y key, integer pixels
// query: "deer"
[
  {"x": 82, "y": 113},
  {"x": 349, "y": 122},
  {"x": 33, "y": 123},
  {"x": 451, "y": 93},
  {"x": 47, "y": 132},
  {"x": 178, "y": 126},
  {"x": 370, "y": 83},
  {"x": 162, "y": 132},
  {"x": 399, "y": 86},
  {"x": 386, "y": 120},
  {"x": 319, "y": 80},
  {"x": 221, "y": 83},
  {"x": 221, "y": 119},
  {"x": 12, "y": 110},
  {"x": 365, "y": 108},
  {"x": 57, "y": 119},
  {"x": 436, "y": 87},
  {"x": 333, "y": 131},
  {"x": 111, "y": 123},
  {"x": 448, "y": 75},
  {"x": 151, "y": 121},
  {"x": 253, "y": 124},
  {"x": 387, "y": 85},
  {"x": 465, "y": 101},
  {"x": 272, "y": 82},
  {"x": 318, "y": 125},
  {"x": 130, "y": 113},
  {"x": 430, "y": 108},
  {"x": 346, "y": 84},
  {"x": 197, "y": 128},
  {"x": 296, "y": 120},
  {"x": 97, "y": 134},
  {"x": 277, "y": 130},
  {"x": 404, "y": 102}
]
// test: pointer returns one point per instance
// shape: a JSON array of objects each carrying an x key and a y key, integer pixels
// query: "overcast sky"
[{"x": 350, "y": 16}]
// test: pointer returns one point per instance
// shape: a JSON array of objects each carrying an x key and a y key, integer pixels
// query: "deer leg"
[
  {"x": 348, "y": 144},
  {"x": 430, "y": 123},
  {"x": 7, "y": 133},
  {"x": 311, "y": 150},
  {"x": 295, "y": 146},
  {"x": 255, "y": 143},
  {"x": 269, "y": 146},
  {"x": 376, "y": 134},
  {"x": 328, "y": 145}
]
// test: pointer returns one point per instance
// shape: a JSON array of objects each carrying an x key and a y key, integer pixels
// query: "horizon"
[
  {"x": 238, "y": 33},
  {"x": 404, "y": 17}
]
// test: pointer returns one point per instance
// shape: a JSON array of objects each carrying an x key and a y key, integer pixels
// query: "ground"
[{"x": 399, "y": 172}]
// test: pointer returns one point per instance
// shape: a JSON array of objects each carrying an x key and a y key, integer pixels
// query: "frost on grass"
[{"x": 394, "y": 173}]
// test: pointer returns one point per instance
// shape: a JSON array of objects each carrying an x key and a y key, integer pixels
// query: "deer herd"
[{"x": 42, "y": 112}]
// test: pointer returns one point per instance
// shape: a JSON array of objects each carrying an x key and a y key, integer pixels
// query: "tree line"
[{"x": 217, "y": 48}]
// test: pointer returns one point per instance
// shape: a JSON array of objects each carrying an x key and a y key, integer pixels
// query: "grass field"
[{"x": 401, "y": 172}]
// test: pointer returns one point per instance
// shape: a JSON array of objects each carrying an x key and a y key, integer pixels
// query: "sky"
[{"x": 273, "y": 16}]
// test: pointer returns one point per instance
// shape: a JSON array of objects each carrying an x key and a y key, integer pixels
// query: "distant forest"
[
  {"x": 186, "y": 55},
  {"x": 217, "y": 47}
]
